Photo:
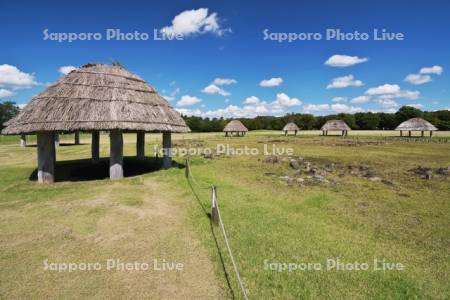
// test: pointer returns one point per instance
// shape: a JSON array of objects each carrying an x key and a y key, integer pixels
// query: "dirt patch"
[{"x": 430, "y": 173}]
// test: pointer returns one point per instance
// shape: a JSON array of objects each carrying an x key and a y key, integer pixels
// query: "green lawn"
[{"x": 401, "y": 219}]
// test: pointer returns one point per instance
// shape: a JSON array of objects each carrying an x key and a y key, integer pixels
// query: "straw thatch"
[
  {"x": 335, "y": 125},
  {"x": 98, "y": 97},
  {"x": 416, "y": 124},
  {"x": 235, "y": 126},
  {"x": 291, "y": 127}
]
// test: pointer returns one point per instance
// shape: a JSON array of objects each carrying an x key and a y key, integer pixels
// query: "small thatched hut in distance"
[
  {"x": 96, "y": 98},
  {"x": 235, "y": 126},
  {"x": 291, "y": 127},
  {"x": 416, "y": 124},
  {"x": 335, "y": 125}
]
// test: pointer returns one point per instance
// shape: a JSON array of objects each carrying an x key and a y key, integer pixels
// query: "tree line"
[{"x": 361, "y": 120}]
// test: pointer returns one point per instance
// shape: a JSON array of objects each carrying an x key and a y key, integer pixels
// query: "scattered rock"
[
  {"x": 294, "y": 164},
  {"x": 375, "y": 178},
  {"x": 271, "y": 159},
  {"x": 363, "y": 205}
]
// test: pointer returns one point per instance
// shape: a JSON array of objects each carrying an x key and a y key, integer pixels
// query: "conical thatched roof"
[
  {"x": 418, "y": 124},
  {"x": 291, "y": 127},
  {"x": 335, "y": 125},
  {"x": 98, "y": 97},
  {"x": 235, "y": 126}
]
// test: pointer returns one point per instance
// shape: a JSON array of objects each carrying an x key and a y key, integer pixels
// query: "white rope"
[{"x": 241, "y": 285}]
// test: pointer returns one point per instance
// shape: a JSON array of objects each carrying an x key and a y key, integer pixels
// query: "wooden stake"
[
  {"x": 116, "y": 155},
  {"x": 23, "y": 140},
  {"x": 46, "y": 156},
  {"x": 167, "y": 148},
  {"x": 214, "y": 211}
]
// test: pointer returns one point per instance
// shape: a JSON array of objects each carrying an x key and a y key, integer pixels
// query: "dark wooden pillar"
[
  {"x": 431, "y": 133},
  {"x": 401, "y": 132},
  {"x": 77, "y": 138},
  {"x": 167, "y": 147},
  {"x": 409, "y": 133},
  {"x": 116, "y": 155},
  {"x": 422, "y": 133},
  {"x": 46, "y": 156},
  {"x": 23, "y": 140},
  {"x": 140, "y": 145},
  {"x": 95, "y": 146}
]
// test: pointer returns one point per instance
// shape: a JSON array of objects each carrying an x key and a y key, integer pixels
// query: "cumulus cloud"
[
  {"x": 284, "y": 100},
  {"x": 339, "y": 60},
  {"x": 432, "y": 70},
  {"x": 417, "y": 105},
  {"x": 387, "y": 102},
  {"x": 275, "y": 81},
  {"x": 384, "y": 89},
  {"x": 360, "y": 99},
  {"x": 66, "y": 69},
  {"x": 417, "y": 78},
  {"x": 343, "y": 82},
  {"x": 343, "y": 108},
  {"x": 214, "y": 89},
  {"x": 187, "y": 100},
  {"x": 339, "y": 99},
  {"x": 252, "y": 100},
  {"x": 172, "y": 94},
  {"x": 195, "y": 21},
  {"x": 311, "y": 108},
  {"x": 12, "y": 77},
  {"x": 6, "y": 93},
  {"x": 224, "y": 81}
]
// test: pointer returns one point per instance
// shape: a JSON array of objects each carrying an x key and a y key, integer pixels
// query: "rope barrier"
[{"x": 216, "y": 216}]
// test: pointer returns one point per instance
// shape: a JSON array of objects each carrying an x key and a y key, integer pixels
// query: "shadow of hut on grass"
[{"x": 85, "y": 169}]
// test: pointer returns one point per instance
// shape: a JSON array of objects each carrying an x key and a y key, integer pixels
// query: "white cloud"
[
  {"x": 11, "y": 76},
  {"x": 224, "y": 81},
  {"x": 187, "y": 100},
  {"x": 417, "y": 78},
  {"x": 343, "y": 108},
  {"x": 214, "y": 89},
  {"x": 417, "y": 105},
  {"x": 343, "y": 82},
  {"x": 172, "y": 95},
  {"x": 339, "y": 99},
  {"x": 387, "y": 102},
  {"x": 432, "y": 70},
  {"x": 360, "y": 99},
  {"x": 411, "y": 95},
  {"x": 338, "y": 60},
  {"x": 6, "y": 93},
  {"x": 252, "y": 100},
  {"x": 285, "y": 100},
  {"x": 66, "y": 69},
  {"x": 383, "y": 89},
  {"x": 310, "y": 108},
  {"x": 275, "y": 81},
  {"x": 195, "y": 21}
]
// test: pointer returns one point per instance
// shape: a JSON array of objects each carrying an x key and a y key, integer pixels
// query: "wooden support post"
[
  {"x": 23, "y": 140},
  {"x": 140, "y": 145},
  {"x": 409, "y": 133},
  {"x": 167, "y": 147},
  {"x": 95, "y": 146},
  {"x": 46, "y": 156},
  {"x": 326, "y": 132},
  {"x": 401, "y": 132},
  {"x": 295, "y": 132},
  {"x": 214, "y": 210},
  {"x": 431, "y": 133},
  {"x": 116, "y": 155},
  {"x": 56, "y": 139},
  {"x": 422, "y": 133},
  {"x": 77, "y": 138}
]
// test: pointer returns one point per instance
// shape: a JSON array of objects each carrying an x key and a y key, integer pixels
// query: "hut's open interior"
[
  {"x": 94, "y": 98},
  {"x": 335, "y": 125}
]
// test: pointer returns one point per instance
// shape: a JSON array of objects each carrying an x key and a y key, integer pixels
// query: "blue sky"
[{"x": 225, "y": 41}]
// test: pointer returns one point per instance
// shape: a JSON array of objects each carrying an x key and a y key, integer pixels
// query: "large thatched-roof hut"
[
  {"x": 291, "y": 127},
  {"x": 235, "y": 126},
  {"x": 416, "y": 124},
  {"x": 335, "y": 125},
  {"x": 94, "y": 98}
]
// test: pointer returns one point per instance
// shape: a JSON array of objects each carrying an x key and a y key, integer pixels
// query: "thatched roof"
[
  {"x": 291, "y": 127},
  {"x": 416, "y": 124},
  {"x": 235, "y": 126},
  {"x": 98, "y": 97},
  {"x": 335, "y": 125}
]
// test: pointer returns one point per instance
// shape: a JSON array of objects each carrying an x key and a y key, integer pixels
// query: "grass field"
[{"x": 398, "y": 218}]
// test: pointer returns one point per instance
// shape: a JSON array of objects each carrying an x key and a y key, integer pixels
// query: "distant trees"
[
  {"x": 361, "y": 120},
  {"x": 8, "y": 110}
]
